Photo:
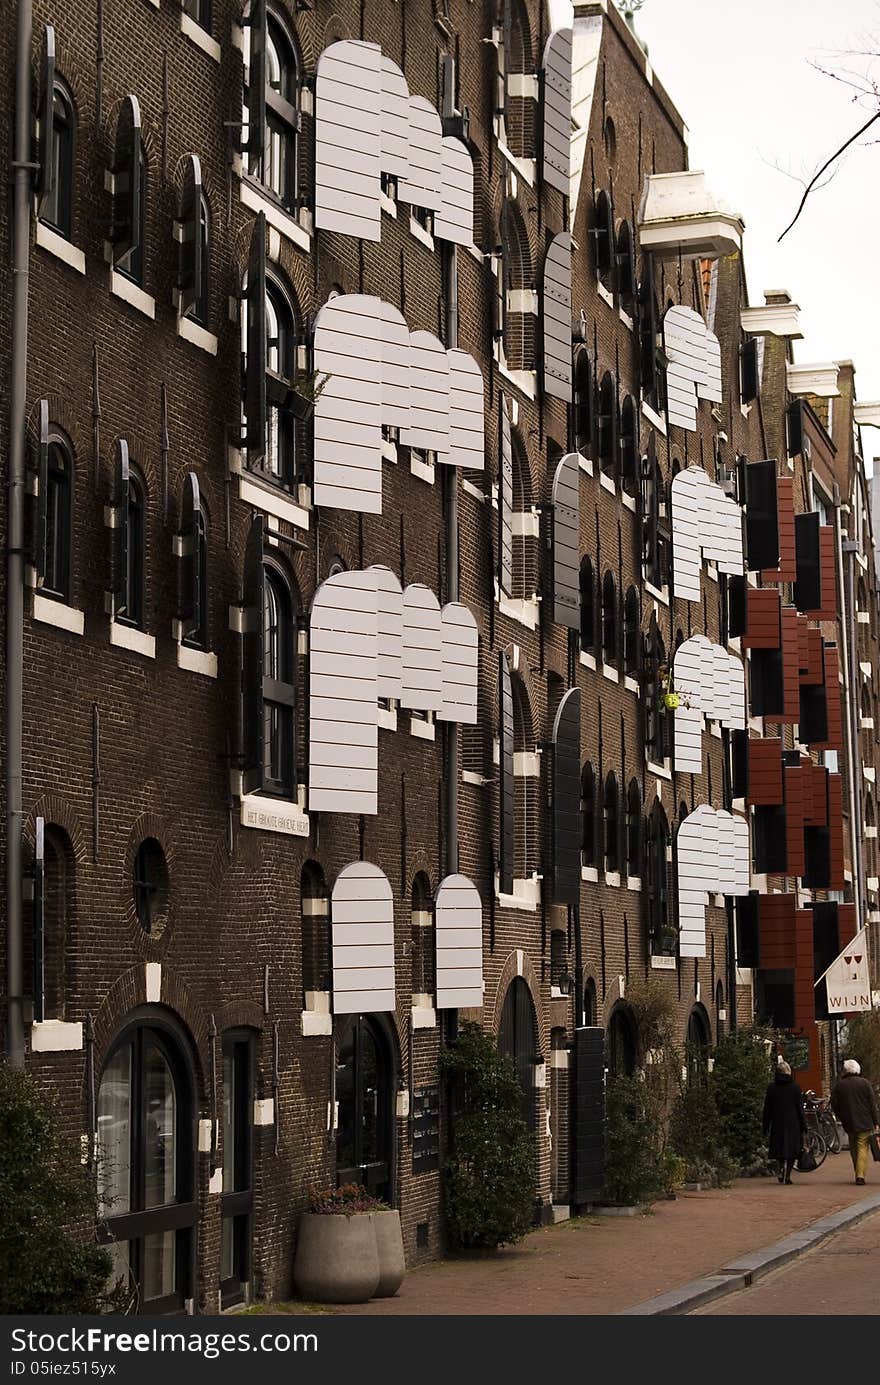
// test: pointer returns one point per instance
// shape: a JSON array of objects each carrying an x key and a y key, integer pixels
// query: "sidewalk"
[{"x": 601, "y": 1265}]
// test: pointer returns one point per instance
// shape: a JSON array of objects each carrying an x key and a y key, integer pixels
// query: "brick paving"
[{"x": 600, "y": 1265}]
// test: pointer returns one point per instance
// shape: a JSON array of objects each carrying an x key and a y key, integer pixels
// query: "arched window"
[
  {"x": 52, "y": 923},
  {"x": 526, "y": 784},
  {"x": 603, "y": 238},
  {"x": 422, "y": 939},
  {"x": 146, "y": 1157},
  {"x": 278, "y": 684},
  {"x": 237, "y": 1198},
  {"x": 519, "y": 281},
  {"x": 588, "y": 606},
  {"x": 655, "y": 884},
  {"x": 198, "y": 638},
  {"x": 59, "y": 519},
  {"x": 365, "y": 1095},
  {"x": 634, "y": 829},
  {"x": 631, "y": 631},
  {"x": 655, "y": 720},
  {"x": 151, "y": 885},
  {"x": 588, "y": 816},
  {"x": 625, "y": 264},
  {"x": 697, "y": 1044},
  {"x": 316, "y": 951},
  {"x": 518, "y": 1039},
  {"x": 520, "y": 110},
  {"x": 629, "y": 446},
  {"x": 130, "y": 606},
  {"x": 608, "y": 426},
  {"x": 584, "y": 404},
  {"x": 591, "y": 1007},
  {"x": 131, "y": 266},
  {"x": 199, "y": 310},
  {"x": 281, "y": 344},
  {"x": 609, "y": 619},
  {"x": 278, "y": 166},
  {"x": 720, "y": 1011},
  {"x": 611, "y": 817},
  {"x": 620, "y": 1043},
  {"x": 525, "y": 549},
  {"x": 56, "y": 205}
]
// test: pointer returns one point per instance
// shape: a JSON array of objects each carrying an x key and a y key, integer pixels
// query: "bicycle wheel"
[
  {"x": 816, "y": 1145},
  {"x": 830, "y": 1133}
]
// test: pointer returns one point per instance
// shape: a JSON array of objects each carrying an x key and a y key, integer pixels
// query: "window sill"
[
  {"x": 60, "y": 247},
  {"x": 388, "y": 204},
  {"x": 526, "y": 895},
  {"x": 634, "y": 882},
  {"x": 587, "y": 661},
  {"x": 59, "y": 614},
  {"x": 55, "y": 1036},
  {"x": 525, "y": 612},
  {"x": 276, "y": 217},
  {"x": 658, "y": 595},
  {"x": 625, "y": 319},
  {"x": 628, "y": 501},
  {"x": 612, "y": 877},
  {"x": 590, "y": 873},
  {"x": 604, "y": 294},
  {"x": 387, "y": 718},
  {"x": 418, "y": 230},
  {"x": 526, "y": 168},
  {"x": 526, "y": 381},
  {"x": 424, "y": 1017},
  {"x": 585, "y": 464},
  {"x": 131, "y": 294},
  {"x": 631, "y": 685},
  {"x": 423, "y": 470},
  {"x": 422, "y": 730},
  {"x": 610, "y": 672},
  {"x": 317, "y": 1022},
  {"x": 264, "y": 1111},
  {"x": 197, "y": 661},
  {"x": 606, "y": 483},
  {"x": 470, "y": 489},
  {"x": 655, "y": 419},
  {"x": 197, "y": 336},
  {"x": 197, "y": 35},
  {"x": 279, "y": 815},
  {"x": 135, "y": 641},
  {"x": 468, "y": 776},
  {"x": 870, "y": 773},
  {"x": 659, "y": 771},
  {"x": 271, "y": 501}
]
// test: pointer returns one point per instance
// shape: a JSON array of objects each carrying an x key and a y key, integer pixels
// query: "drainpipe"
[
  {"x": 21, "y": 182},
  {"x": 850, "y": 685}
]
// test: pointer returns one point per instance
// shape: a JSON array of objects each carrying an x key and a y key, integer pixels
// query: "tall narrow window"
[
  {"x": 422, "y": 936},
  {"x": 631, "y": 631},
  {"x": 584, "y": 406},
  {"x": 588, "y": 816},
  {"x": 132, "y": 264},
  {"x": 59, "y": 506},
  {"x": 280, "y": 364},
  {"x": 634, "y": 829},
  {"x": 316, "y": 952},
  {"x": 130, "y": 607},
  {"x": 279, "y": 172},
  {"x": 609, "y": 620},
  {"x": 56, "y": 207},
  {"x": 237, "y": 1196},
  {"x": 588, "y": 606},
  {"x": 278, "y": 688},
  {"x": 198, "y": 637},
  {"x": 608, "y": 427},
  {"x": 611, "y": 811}
]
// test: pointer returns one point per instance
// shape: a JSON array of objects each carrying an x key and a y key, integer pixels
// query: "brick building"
[{"x": 393, "y": 413}]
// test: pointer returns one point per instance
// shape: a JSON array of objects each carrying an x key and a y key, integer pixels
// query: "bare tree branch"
[{"x": 827, "y": 164}]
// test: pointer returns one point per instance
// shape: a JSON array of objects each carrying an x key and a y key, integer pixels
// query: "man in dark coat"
[
  {"x": 855, "y": 1106},
  {"x": 784, "y": 1121}
]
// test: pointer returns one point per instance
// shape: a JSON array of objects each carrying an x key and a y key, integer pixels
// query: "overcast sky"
[{"x": 740, "y": 73}]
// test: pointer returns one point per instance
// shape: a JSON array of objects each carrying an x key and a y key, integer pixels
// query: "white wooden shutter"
[
  {"x": 422, "y": 650},
  {"x": 429, "y": 388},
  {"x": 688, "y": 679},
  {"x": 688, "y": 740},
  {"x": 566, "y": 542},
  {"x": 505, "y": 502},
  {"x": 557, "y": 110},
  {"x": 735, "y": 716},
  {"x": 556, "y": 313},
  {"x": 709, "y": 384},
  {"x": 742, "y": 864},
  {"x": 458, "y": 916},
  {"x": 395, "y": 367},
  {"x": 466, "y": 412},
  {"x": 454, "y": 220},
  {"x": 362, "y": 919},
  {"x": 390, "y": 632},
  {"x": 421, "y": 186},
  {"x": 696, "y": 853},
  {"x": 395, "y": 120},
  {"x": 343, "y": 712},
  {"x": 348, "y": 413},
  {"x": 458, "y": 664},
  {"x": 684, "y": 333},
  {"x": 348, "y": 138},
  {"x": 686, "y": 520}
]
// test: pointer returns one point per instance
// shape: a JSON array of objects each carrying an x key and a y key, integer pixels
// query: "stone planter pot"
[
  {"x": 336, "y": 1257},
  {"x": 389, "y": 1244}
]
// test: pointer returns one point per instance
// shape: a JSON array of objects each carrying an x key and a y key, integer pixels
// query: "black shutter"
[
  {"x": 127, "y": 160},
  {"x": 767, "y": 683},
  {"x": 599, "y": 822},
  {"x": 647, "y": 334},
  {"x": 817, "y": 858},
  {"x": 191, "y": 575},
  {"x": 826, "y": 946},
  {"x": 505, "y": 502},
  {"x": 807, "y": 590},
  {"x": 795, "y": 428},
  {"x": 189, "y": 280},
  {"x": 121, "y": 530},
  {"x": 749, "y": 382},
  {"x": 38, "y": 929},
  {"x": 47, "y": 113},
  {"x": 255, "y": 364},
  {"x": 41, "y": 544},
  {"x": 770, "y": 846},
  {"x": 253, "y": 659},
  {"x": 566, "y": 542},
  {"x": 813, "y": 718},
  {"x": 626, "y": 263},
  {"x": 736, "y": 607},
  {"x": 566, "y": 800},
  {"x": 257, "y": 23},
  {"x": 739, "y": 763},
  {"x": 762, "y": 516},
  {"x": 588, "y": 1110},
  {"x": 747, "y": 930},
  {"x": 506, "y": 784}
]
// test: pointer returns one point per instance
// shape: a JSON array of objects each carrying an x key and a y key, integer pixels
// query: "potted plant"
[
  {"x": 337, "y": 1258},
  {"x": 307, "y": 390}
]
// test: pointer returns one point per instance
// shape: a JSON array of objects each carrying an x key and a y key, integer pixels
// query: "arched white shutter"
[
  {"x": 362, "y": 919},
  {"x": 348, "y": 139},
  {"x": 343, "y": 710},
  {"x": 458, "y": 664},
  {"x": 349, "y": 334},
  {"x": 458, "y": 914},
  {"x": 556, "y": 314}
]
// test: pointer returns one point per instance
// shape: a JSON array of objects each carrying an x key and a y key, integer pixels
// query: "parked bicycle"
[{"x": 820, "y": 1117}]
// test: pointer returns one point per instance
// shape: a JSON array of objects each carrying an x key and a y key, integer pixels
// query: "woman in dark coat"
[{"x": 784, "y": 1121}]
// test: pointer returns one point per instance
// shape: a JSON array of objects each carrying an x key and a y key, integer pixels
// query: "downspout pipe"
[
  {"x": 847, "y": 548},
  {"x": 21, "y": 197}
]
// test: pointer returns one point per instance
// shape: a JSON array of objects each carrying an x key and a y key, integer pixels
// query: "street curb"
[{"x": 745, "y": 1269}]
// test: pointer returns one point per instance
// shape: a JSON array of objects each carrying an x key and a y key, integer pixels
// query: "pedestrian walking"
[
  {"x": 784, "y": 1121},
  {"x": 855, "y": 1106}
]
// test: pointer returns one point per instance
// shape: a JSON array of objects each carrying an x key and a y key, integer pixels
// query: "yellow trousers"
[{"x": 859, "y": 1150}]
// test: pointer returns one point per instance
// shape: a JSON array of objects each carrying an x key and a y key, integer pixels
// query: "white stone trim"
[
  {"x": 612, "y": 877},
  {"x": 587, "y": 660},
  {"x": 197, "y": 35},
  {"x": 606, "y": 483},
  {"x": 205, "y": 1132},
  {"x": 316, "y": 1023},
  {"x": 132, "y": 294},
  {"x": 387, "y": 718},
  {"x": 215, "y": 1185},
  {"x": 423, "y": 470},
  {"x": 58, "y": 613},
  {"x": 55, "y": 1036},
  {"x": 659, "y": 771},
  {"x": 134, "y": 640},
  {"x": 525, "y": 524},
  {"x": 422, "y": 730},
  {"x": 198, "y": 336},
  {"x": 153, "y": 982},
  {"x": 525, "y": 612},
  {"x": 661, "y": 962},
  {"x": 264, "y": 1111},
  {"x": 820, "y": 380},
  {"x": 527, "y": 764},
  {"x": 656, "y": 420},
  {"x": 604, "y": 294},
  {"x": 197, "y": 661},
  {"x": 282, "y": 221},
  {"x": 264, "y": 813},
  {"x": 633, "y": 882},
  {"x": 424, "y": 1017},
  {"x": 610, "y": 672},
  {"x": 60, "y": 247},
  {"x": 523, "y": 84},
  {"x": 418, "y": 230},
  {"x": 628, "y": 501},
  {"x": 526, "y": 895},
  {"x": 271, "y": 501},
  {"x": 526, "y": 381},
  {"x": 631, "y": 685},
  {"x": 523, "y": 301},
  {"x": 468, "y": 776},
  {"x": 659, "y": 595},
  {"x": 585, "y": 464},
  {"x": 470, "y": 489},
  {"x": 776, "y": 319},
  {"x": 590, "y": 873}
]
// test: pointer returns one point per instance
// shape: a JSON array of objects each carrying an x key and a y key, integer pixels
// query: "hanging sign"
[{"x": 847, "y": 981}]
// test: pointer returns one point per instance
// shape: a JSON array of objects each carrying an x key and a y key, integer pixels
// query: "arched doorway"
[
  {"x": 146, "y": 1144},
  {"x": 621, "y": 1044},
  {"x": 518, "y": 1038},
  {"x": 364, "y": 1097},
  {"x": 698, "y": 1042}
]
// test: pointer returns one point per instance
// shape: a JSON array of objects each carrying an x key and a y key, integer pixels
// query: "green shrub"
[
  {"x": 640, "y": 1166},
  {"x": 489, "y": 1177},
  {"x": 49, "y": 1262},
  {"x": 739, "y": 1080},
  {"x": 695, "y": 1133},
  {"x": 861, "y": 1040}
]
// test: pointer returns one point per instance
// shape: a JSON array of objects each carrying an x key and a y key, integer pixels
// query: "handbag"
[
  {"x": 874, "y": 1142},
  {"x": 806, "y": 1162}
]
